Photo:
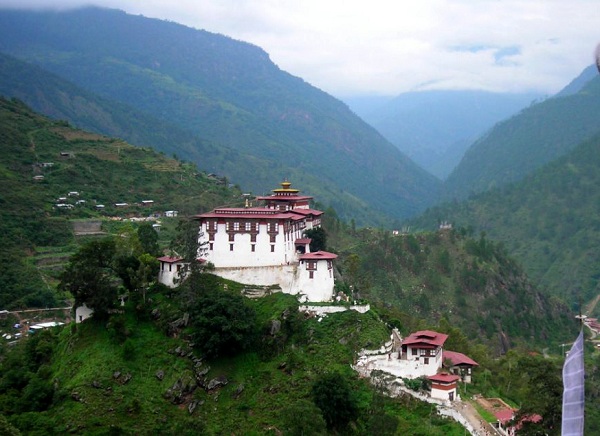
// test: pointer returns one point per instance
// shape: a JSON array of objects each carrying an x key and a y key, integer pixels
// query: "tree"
[
  {"x": 332, "y": 394},
  {"x": 148, "y": 239},
  {"x": 90, "y": 277},
  {"x": 221, "y": 323},
  {"x": 318, "y": 239},
  {"x": 303, "y": 418}
]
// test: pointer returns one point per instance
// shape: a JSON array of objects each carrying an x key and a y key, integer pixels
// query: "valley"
[{"x": 123, "y": 160}]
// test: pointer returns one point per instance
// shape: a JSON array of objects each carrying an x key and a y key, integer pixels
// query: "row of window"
[{"x": 252, "y": 247}]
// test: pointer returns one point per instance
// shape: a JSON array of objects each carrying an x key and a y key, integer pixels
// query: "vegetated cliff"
[
  {"x": 549, "y": 221},
  {"x": 472, "y": 283}
]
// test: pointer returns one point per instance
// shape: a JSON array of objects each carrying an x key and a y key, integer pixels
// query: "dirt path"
[{"x": 469, "y": 412}]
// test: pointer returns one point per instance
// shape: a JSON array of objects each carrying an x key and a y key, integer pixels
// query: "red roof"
[
  {"x": 318, "y": 255},
  {"x": 504, "y": 415},
  {"x": 314, "y": 212},
  {"x": 426, "y": 338},
  {"x": 458, "y": 358},
  {"x": 258, "y": 213},
  {"x": 301, "y": 241},
  {"x": 170, "y": 259},
  {"x": 444, "y": 378}
]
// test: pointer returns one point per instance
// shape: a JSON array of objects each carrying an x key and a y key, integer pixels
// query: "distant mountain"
[
  {"x": 528, "y": 140},
  {"x": 229, "y": 94},
  {"x": 550, "y": 221},
  {"x": 579, "y": 82},
  {"x": 435, "y": 128}
]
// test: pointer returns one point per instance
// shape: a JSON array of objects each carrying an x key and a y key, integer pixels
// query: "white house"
[
  {"x": 170, "y": 269},
  {"x": 443, "y": 386},
  {"x": 265, "y": 245},
  {"x": 459, "y": 364},
  {"x": 424, "y": 348},
  {"x": 82, "y": 313}
]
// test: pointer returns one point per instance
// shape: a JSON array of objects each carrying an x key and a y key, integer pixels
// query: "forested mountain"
[
  {"x": 525, "y": 142},
  {"x": 471, "y": 283},
  {"x": 42, "y": 161},
  {"x": 435, "y": 128},
  {"x": 228, "y": 93},
  {"x": 550, "y": 221}
]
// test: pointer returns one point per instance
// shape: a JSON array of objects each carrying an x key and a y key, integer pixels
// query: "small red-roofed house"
[
  {"x": 425, "y": 349},
  {"x": 443, "y": 386},
  {"x": 459, "y": 364},
  {"x": 505, "y": 425}
]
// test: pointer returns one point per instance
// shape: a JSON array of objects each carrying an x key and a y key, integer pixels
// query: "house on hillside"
[
  {"x": 459, "y": 364},
  {"x": 443, "y": 386},
  {"x": 425, "y": 349},
  {"x": 505, "y": 424},
  {"x": 266, "y": 246},
  {"x": 170, "y": 271}
]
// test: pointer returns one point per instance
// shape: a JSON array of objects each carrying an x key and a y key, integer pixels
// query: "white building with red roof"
[
  {"x": 459, "y": 364},
  {"x": 425, "y": 349},
  {"x": 443, "y": 386},
  {"x": 266, "y": 245}
]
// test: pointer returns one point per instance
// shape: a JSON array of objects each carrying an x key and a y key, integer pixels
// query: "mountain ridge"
[{"x": 231, "y": 94}]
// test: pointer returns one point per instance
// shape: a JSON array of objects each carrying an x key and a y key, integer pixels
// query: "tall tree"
[{"x": 90, "y": 277}]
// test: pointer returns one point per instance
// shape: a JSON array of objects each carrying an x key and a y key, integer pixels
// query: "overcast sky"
[{"x": 352, "y": 48}]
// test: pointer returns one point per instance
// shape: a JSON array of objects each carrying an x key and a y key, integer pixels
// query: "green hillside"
[
  {"x": 228, "y": 93},
  {"x": 42, "y": 161},
  {"x": 549, "y": 221},
  {"x": 472, "y": 284},
  {"x": 525, "y": 142}
]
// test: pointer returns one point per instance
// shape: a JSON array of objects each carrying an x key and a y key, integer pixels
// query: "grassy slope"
[{"x": 272, "y": 381}]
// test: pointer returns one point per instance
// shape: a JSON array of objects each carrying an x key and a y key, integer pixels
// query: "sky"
[{"x": 387, "y": 47}]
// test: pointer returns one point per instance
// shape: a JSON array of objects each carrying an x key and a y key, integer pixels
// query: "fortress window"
[{"x": 230, "y": 247}]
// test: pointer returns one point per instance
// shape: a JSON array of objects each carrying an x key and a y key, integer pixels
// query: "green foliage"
[
  {"x": 518, "y": 146},
  {"x": 89, "y": 277},
  {"x": 548, "y": 221},
  {"x": 221, "y": 323},
  {"x": 36, "y": 236},
  {"x": 148, "y": 239},
  {"x": 318, "y": 238},
  {"x": 333, "y": 395},
  {"x": 303, "y": 418},
  {"x": 472, "y": 283}
]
